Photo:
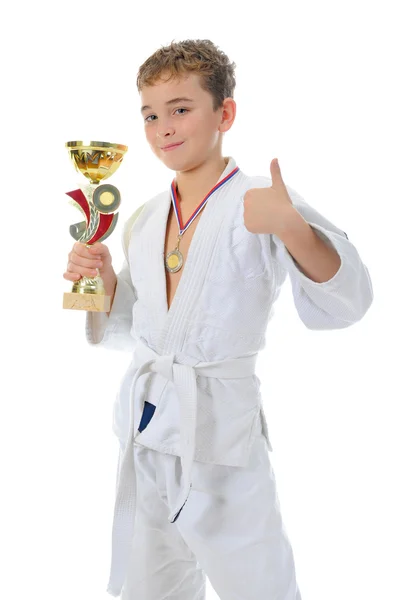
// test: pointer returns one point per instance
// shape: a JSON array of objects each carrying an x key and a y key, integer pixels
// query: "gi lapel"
[{"x": 199, "y": 256}]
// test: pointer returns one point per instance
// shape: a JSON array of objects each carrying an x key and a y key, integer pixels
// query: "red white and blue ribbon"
[{"x": 182, "y": 227}]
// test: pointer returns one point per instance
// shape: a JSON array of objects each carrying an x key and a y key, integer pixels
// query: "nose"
[{"x": 164, "y": 129}]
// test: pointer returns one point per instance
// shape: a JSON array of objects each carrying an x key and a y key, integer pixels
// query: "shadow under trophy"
[{"x": 98, "y": 203}]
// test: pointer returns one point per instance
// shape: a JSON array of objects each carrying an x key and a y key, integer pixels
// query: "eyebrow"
[{"x": 172, "y": 101}]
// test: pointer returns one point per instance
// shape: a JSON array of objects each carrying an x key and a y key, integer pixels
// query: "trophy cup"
[{"x": 98, "y": 203}]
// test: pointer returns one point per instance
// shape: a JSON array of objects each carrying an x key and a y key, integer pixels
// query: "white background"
[{"x": 316, "y": 88}]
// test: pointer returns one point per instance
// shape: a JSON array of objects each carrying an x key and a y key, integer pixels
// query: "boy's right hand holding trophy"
[{"x": 92, "y": 262}]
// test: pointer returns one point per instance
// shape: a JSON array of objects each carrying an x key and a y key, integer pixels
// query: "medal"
[{"x": 174, "y": 259}]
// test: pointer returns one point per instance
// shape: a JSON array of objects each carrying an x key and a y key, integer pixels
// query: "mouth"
[{"x": 171, "y": 147}]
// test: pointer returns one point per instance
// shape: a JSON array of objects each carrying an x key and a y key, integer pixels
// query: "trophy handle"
[{"x": 88, "y": 293}]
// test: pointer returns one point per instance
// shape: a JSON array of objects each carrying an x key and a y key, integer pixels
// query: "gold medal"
[{"x": 174, "y": 259}]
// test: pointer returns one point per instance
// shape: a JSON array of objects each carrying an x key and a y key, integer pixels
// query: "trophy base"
[{"x": 88, "y": 302}]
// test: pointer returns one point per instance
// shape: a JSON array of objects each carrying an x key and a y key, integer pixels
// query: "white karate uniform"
[{"x": 206, "y": 501}]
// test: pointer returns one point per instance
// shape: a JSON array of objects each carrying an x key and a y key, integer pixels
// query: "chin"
[{"x": 176, "y": 164}]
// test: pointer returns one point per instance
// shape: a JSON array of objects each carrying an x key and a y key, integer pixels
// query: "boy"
[{"x": 205, "y": 262}]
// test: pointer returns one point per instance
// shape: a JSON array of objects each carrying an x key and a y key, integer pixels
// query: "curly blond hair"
[{"x": 217, "y": 72}]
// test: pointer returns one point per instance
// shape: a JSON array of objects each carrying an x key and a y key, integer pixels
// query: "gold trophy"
[{"x": 98, "y": 203}]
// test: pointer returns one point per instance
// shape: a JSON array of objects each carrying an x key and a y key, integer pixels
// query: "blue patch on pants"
[{"x": 147, "y": 415}]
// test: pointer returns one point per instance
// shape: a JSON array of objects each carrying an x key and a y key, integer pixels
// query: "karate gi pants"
[{"x": 230, "y": 529}]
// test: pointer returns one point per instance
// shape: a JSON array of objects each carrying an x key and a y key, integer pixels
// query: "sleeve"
[
  {"x": 346, "y": 297},
  {"x": 113, "y": 331}
]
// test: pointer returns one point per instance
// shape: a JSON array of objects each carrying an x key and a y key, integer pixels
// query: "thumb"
[
  {"x": 276, "y": 174},
  {"x": 98, "y": 249}
]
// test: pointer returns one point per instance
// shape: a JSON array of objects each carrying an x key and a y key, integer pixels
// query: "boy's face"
[{"x": 180, "y": 111}]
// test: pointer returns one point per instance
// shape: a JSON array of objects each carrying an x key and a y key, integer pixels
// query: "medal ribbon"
[{"x": 182, "y": 228}]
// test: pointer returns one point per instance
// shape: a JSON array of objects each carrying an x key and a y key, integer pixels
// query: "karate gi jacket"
[{"x": 196, "y": 361}]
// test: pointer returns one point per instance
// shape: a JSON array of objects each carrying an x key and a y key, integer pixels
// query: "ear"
[{"x": 228, "y": 114}]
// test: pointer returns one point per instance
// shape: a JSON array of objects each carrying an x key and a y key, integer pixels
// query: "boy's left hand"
[{"x": 268, "y": 209}]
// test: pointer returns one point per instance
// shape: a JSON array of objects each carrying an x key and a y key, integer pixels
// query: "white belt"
[{"x": 183, "y": 376}]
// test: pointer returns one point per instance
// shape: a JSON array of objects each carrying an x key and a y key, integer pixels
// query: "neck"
[{"x": 194, "y": 185}]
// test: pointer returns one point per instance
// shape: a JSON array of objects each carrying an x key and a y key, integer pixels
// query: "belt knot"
[{"x": 164, "y": 365}]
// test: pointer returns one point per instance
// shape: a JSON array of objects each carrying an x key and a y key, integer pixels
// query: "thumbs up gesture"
[{"x": 268, "y": 209}]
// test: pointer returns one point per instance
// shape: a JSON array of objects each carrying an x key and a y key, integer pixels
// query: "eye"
[{"x": 151, "y": 118}]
